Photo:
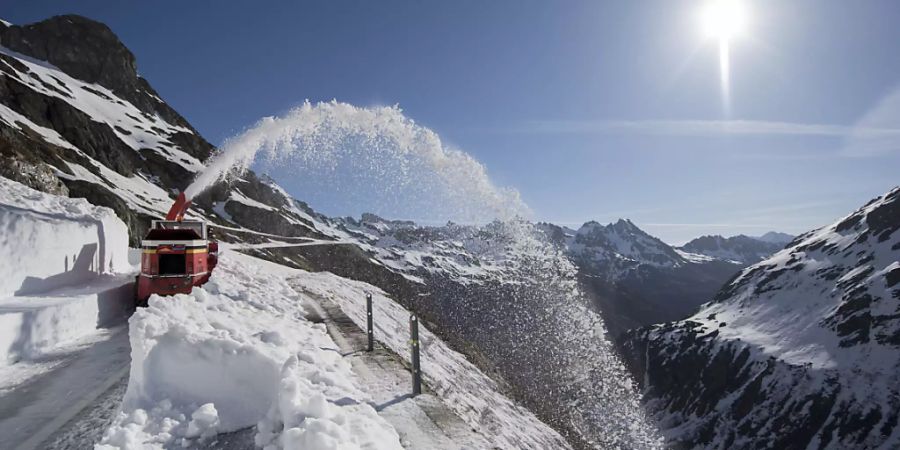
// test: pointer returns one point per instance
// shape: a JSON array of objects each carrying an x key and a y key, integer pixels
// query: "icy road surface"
[{"x": 70, "y": 405}]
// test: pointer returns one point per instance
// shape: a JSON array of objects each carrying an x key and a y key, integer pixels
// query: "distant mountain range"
[
  {"x": 636, "y": 279},
  {"x": 739, "y": 249}
]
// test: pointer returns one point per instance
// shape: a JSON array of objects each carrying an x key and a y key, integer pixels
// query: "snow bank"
[
  {"x": 52, "y": 241},
  {"x": 33, "y": 326},
  {"x": 64, "y": 272},
  {"x": 236, "y": 353}
]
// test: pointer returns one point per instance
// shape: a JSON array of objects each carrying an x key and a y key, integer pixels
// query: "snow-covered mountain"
[
  {"x": 739, "y": 249},
  {"x": 801, "y": 350},
  {"x": 76, "y": 119},
  {"x": 775, "y": 237},
  {"x": 622, "y": 245},
  {"x": 634, "y": 278}
]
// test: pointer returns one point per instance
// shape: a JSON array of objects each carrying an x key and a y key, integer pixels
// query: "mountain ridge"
[{"x": 776, "y": 357}]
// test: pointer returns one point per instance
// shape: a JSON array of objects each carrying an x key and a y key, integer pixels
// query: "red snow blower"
[{"x": 177, "y": 254}]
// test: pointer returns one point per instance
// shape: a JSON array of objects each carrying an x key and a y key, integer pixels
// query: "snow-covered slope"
[
  {"x": 799, "y": 351},
  {"x": 241, "y": 352},
  {"x": 238, "y": 352}
]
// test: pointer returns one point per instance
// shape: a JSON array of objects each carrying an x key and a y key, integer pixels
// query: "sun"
[{"x": 724, "y": 19}]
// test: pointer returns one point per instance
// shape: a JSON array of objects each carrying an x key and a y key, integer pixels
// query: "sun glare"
[{"x": 724, "y": 19}]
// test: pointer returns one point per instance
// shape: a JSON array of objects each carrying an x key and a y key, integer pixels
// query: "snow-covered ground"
[
  {"x": 245, "y": 351},
  {"x": 470, "y": 393},
  {"x": 239, "y": 353}
]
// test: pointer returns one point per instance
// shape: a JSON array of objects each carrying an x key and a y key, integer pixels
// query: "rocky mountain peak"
[
  {"x": 776, "y": 237},
  {"x": 621, "y": 240},
  {"x": 89, "y": 51},
  {"x": 81, "y": 47}
]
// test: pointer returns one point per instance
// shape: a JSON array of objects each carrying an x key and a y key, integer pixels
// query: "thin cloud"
[
  {"x": 706, "y": 128},
  {"x": 884, "y": 115}
]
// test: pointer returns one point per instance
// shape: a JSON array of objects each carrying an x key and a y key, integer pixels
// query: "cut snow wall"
[{"x": 48, "y": 241}]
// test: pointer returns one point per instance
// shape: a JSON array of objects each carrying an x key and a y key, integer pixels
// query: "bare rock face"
[
  {"x": 36, "y": 176},
  {"x": 90, "y": 51}
]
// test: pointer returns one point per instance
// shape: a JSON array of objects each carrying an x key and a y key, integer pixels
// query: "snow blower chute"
[{"x": 177, "y": 254}]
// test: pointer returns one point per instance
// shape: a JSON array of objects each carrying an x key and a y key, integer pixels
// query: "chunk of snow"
[
  {"x": 33, "y": 326},
  {"x": 203, "y": 422}
]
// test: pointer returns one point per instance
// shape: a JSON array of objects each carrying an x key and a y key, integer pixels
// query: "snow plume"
[
  {"x": 531, "y": 320},
  {"x": 375, "y": 156},
  {"x": 537, "y": 330}
]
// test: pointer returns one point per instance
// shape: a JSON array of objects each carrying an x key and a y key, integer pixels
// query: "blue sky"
[{"x": 592, "y": 110}]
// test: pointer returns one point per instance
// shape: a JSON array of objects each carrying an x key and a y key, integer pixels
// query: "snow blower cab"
[{"x": 177, "y": 254}]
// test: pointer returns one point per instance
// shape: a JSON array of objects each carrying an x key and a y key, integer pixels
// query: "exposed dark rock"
[
  {"x": 90, "y": 51},
  {"x": 36, "y": 176}
]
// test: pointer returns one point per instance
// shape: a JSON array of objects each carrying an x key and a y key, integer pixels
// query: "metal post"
[
  {"x": 414, "y": 342},
  {"x": 369, "y": 332}
]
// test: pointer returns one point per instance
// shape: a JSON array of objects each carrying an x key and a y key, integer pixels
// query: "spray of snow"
[
  {"x": 377, "y": 156},
  {"x": 534, "y": 321}
]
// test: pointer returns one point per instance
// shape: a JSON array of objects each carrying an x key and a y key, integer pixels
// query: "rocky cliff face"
[{"x": 799, "y": 351}]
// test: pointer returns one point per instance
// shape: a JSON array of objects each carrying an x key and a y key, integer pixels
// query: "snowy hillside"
[
  {"x": 243, "y": 352},
  {"x": 802, "y": 349}
]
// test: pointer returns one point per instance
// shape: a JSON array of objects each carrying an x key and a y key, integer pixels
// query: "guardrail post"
[
  {"x": 414, "y": 343},
  {"x": 370, "y": 333}
]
